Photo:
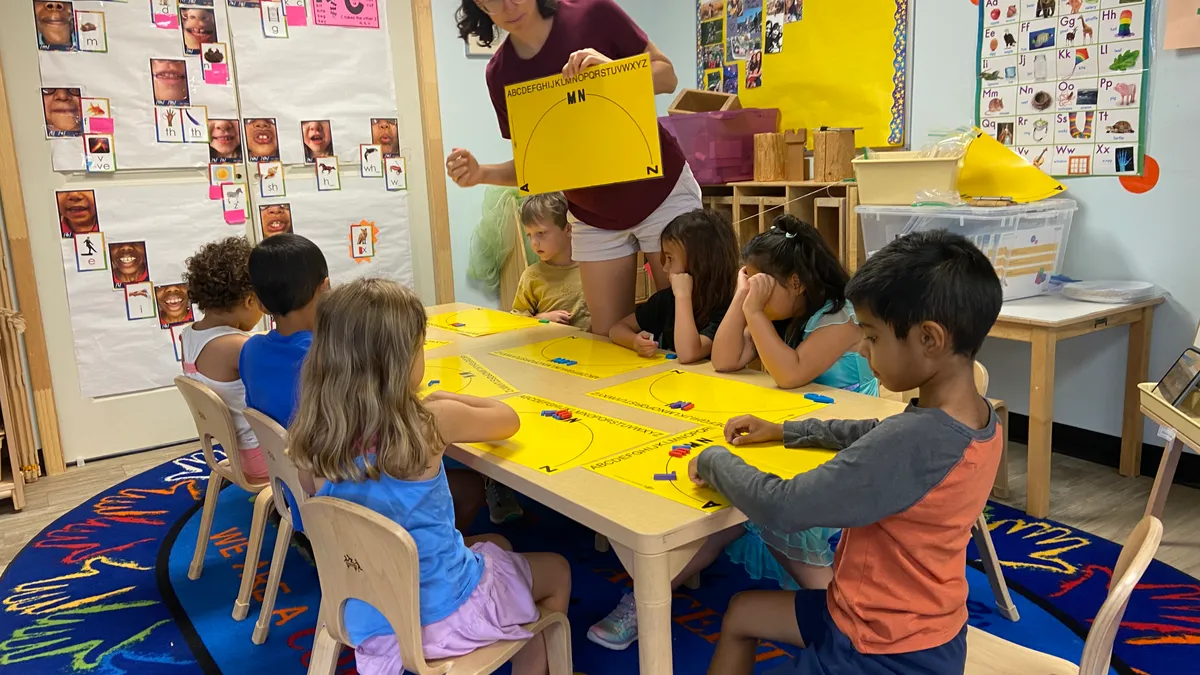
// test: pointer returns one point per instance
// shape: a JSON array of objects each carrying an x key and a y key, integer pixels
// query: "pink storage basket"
[{"x": 719, "y": 146}]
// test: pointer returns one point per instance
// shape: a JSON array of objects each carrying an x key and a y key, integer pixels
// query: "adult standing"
[{"x": 550, "y": 37}]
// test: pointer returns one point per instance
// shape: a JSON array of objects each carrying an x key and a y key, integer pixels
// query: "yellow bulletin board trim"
[
  {"x": 604, "y": 119},
  {"x": 841, "y": 65}
]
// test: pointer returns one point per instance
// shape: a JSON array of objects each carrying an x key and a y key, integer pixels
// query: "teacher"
[{"x": 551, "y": 37}]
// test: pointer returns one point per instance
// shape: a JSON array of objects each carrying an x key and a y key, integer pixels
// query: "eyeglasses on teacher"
[{"x": 494, "y": 6}]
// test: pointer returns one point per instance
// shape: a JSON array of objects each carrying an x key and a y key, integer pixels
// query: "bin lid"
[{"x": 1045, "y": 205}]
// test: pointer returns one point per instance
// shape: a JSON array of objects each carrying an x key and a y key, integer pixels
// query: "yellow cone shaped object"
[{"x": 992, "y": 169}]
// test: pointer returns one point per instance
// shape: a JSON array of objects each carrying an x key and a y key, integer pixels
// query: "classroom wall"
[
  {"x": 468, "y": 121},
  {"x": 1115, "y": 235}
]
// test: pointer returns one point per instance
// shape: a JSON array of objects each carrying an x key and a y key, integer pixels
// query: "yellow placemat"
[
  {"x": 638, "y": 467},
  {"x": 551, "y": 445},
  {"x": 463, "y": 375},
  {"x": 434, "y": 344},
  {"x": 714, "y": 399},
  {"x": 592, "y": 359},
  {"x": 480, "y": 322}
]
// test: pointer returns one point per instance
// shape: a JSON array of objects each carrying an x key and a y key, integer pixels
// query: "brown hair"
[
  {"x": 712, "y": 258},
  {"x": 356, "y": 395},
  {"x": 218, "y": 275},
  {"x": 550, "y": 207}
]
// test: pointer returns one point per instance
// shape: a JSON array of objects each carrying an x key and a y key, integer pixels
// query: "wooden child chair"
[
  {"x": 980, "y": 533},
  {"x": 990, "y": 655},
  {"x": 215, "y": 423},
  {"x": 363, "y": 555},
  {"x": 273, "y": 440}
]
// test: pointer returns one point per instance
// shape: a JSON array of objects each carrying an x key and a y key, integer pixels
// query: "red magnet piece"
[{"x": 687, "y": 406}]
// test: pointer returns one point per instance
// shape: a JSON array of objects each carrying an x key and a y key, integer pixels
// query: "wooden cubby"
[{"x": 752, "y": 206}]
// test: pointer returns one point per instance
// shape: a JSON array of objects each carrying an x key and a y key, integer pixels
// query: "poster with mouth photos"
[{"x": 1064, "y": 82}]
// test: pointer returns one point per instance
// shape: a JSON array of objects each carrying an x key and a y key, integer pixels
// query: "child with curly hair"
[{"x": 218, "y": 280}]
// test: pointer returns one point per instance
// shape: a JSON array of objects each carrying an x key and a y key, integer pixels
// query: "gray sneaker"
[
  {"x": 619, "y": 629},
  {"x": 502, "y": 503}
]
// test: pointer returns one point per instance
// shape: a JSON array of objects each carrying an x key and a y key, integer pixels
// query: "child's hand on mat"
[
  {"x": 761, "y": 287},
  {"x": 694, "y": 472},
  {"x": 463, "y": 168},
  {"x": 583, "y": 59},
  {"x": 557, "y": 316},
  {"x": 682, "y": 285},
  {"x": 644, "y": 344},
  {"x": 749, "y": 429}
]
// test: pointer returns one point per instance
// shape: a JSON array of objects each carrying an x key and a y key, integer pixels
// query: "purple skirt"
[{"x": 495, "y": 611}]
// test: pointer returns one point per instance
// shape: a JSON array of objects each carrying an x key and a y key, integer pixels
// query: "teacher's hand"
[
  {"x": 582, "y": 60},
  {"x": 463, "y": 168}
]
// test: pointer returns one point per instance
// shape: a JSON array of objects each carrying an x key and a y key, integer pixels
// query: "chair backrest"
[
  {"x": 214, "y": 422},
  {"x": 361, "y": 555},
  {"x": 272, "y": 438},
  {"x": 1135, "y": 557},
  {"x": 981, "y": 379}
]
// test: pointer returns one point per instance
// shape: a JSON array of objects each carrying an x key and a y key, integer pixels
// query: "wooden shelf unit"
[{"x": 752, "y": 206}]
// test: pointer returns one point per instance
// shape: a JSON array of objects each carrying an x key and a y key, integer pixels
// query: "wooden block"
[
  {"x": 797, "y": 155},
  {"x": 698, "y": 100},
  {"x": 770, "y": 156},
  {"x": 833, "y": 152}
]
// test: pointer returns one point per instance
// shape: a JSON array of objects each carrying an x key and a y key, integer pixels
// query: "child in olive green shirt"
[{"x": 550, "y": 288}]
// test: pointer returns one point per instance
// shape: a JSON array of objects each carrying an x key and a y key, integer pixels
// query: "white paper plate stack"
[{"x": 1111, "y": 292}]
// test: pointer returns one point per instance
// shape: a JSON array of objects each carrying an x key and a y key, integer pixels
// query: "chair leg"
[
  {"x": 282, "y": 538},
  {"x": 558, "y": 648},
  {"x": 601, "y": 543},
  {"x": 991, "y": 565},
  {"x": 211, "y": 495},
  {"x": 693, "y": 582},
  {"x": 262, "y": 506},
  {"x": 325, "y": 653}
]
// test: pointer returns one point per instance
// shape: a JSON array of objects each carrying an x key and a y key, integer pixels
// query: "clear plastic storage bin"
[{"x": 1025, "y": 242}]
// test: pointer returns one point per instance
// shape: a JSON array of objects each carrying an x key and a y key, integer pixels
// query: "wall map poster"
[{"x": 1063, "y": 82}]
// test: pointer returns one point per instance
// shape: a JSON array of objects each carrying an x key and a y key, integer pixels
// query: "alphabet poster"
[{"x": 1063, "y": 82}]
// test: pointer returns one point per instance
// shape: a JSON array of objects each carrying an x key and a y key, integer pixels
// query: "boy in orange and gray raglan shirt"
[{"x": 906, "y": 489}]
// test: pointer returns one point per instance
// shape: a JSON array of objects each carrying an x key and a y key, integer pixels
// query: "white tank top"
[{"x": 232, "y": 393}]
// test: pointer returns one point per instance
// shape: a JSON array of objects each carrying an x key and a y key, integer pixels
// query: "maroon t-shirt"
[{"x": 605, "y": 27}]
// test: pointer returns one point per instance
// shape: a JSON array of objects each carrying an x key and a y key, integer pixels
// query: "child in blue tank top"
[
  {"x": 361, "y": 426},
  {"x": 790, "y": 311}
]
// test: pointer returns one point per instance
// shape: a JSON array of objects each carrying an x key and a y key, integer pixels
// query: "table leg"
[
  {"x": 1162, "y": 480},
  {"x": 652, "y": 590},
  {"x": 1137, "y": 363},
  {"x": 1041, "y": 423}
]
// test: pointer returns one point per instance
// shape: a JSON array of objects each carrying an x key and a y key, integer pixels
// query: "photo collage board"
[
  {"x": 1064, "y": 82},
  {"x": 152, "y": 86}
]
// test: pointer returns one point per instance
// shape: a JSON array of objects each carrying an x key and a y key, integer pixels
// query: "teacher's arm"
[{"x": 665, "y": 79}]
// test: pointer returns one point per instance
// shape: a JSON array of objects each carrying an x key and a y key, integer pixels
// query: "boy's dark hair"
[
  {"x": 792, "y": 246},
  {"x": 934, "y": 276},
  {"x": 217, "y": 275},
  {"x": 712, "y": 258},
  {"x": 286, "y": 271},
  {"x": 472, "y": 20},
  {"x": 550, "y": 207}
]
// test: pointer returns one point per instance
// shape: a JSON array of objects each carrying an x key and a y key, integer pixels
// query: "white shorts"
[{"x": 592, "y": 244}]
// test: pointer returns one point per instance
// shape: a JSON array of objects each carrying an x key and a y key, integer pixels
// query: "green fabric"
[{"x": 495, "y": 236}]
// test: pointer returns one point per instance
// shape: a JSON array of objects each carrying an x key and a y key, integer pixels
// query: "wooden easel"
[{"x": 17, "y": 418}]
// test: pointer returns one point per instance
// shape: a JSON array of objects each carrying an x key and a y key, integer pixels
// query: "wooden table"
[
  {"x": 1043, "y": 322},
  {"x": 654, "y": 537},
  {"x": 1186, "y": 439}
]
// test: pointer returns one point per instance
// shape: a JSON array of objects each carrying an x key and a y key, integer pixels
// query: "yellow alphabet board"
[
  {"x": 637, "y": 467},
  {"x": 480, "y": 322},
  {"x": 597, "y": 128},
  {"x": 714, "y": 399},
  {"x": 434, "y": 344},
  {"x": 463, "y": 375},
  {"x": 584, "y": 357},
  {"x": 551, "y": 445}
]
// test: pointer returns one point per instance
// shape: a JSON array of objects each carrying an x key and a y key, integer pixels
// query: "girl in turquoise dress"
[{"x": 791, "y": 312}]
